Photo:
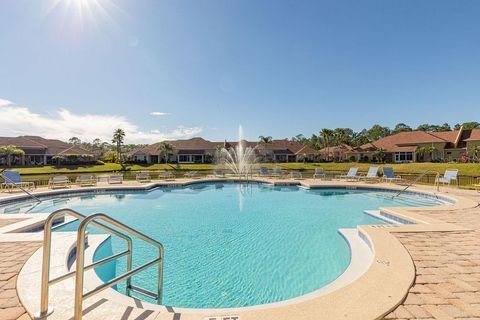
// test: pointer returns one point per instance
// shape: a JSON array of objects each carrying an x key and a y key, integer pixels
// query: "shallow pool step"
[{"x": 377, "y": 214}]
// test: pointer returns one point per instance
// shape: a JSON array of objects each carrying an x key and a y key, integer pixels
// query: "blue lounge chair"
[
  {"x": 264, "y": 172},
  {"x": 277, "y": 172},
  {"x": 191, "y": 174},
  {"x": 143, "y": 177},
  {"x": 295, "y": 175},
  {"x": 14, "y": 180},
  {"x": 389, "y": 175}
]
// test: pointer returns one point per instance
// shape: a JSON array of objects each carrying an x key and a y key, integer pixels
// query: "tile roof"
[
  {"x": 473, "y": 135},
  {"x": 47, "y": 146}
]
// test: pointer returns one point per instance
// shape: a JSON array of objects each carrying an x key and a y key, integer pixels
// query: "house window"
[
  {"x": 184, "y": 158},
  {"x": 403, "y": 156}
]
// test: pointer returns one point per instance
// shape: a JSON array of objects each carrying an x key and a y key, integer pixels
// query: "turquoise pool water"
[{"x": 231, "y": 244}]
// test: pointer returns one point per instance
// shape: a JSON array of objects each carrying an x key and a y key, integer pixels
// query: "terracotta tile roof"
[
  {"x": 45, "y": 146},
  {"x": 341, "y": 148},
  {"x": 473, "y": 135}
]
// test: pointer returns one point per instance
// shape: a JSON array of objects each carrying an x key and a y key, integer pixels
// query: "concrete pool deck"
[{"x": 445, "y": 273}]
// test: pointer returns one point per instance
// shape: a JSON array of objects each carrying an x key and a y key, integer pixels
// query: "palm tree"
[
  {"x": 265, "y": 139},
  {"x": 118, "y": 137},
  {"x": 326, "y": 135},
  {"x": 167, "y": 150},
  {"x": 474, "y": 151},
  {"x": 10, "y": 151},
  {"x": 380, "y": 154}
]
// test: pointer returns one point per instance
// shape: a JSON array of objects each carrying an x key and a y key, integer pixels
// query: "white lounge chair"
[
  {"x": 372, "y": 174},
  {"x": 351, "y": 174},
  {"x": 12, "y": 180},
  {"x": 277, "y": 172},
  {"x": 115, "y": 179},
  {"x": 218, "y": 172},
  {"x": 449, "y": 176},
  {"x": 86, "y": 180},
  {"x": 319, "y": 173},
  {"x": 166, "y": 175},
  {"x": 295, "y": 175},
  {"x": 191, "y": 174},
  {"x": 389, "y": 175},
  {"x": 143, "y": 177},
  {"x": 59, "y": 182}
]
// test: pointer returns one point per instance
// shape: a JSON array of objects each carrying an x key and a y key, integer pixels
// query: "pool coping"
[{"x": 392, "y": 267}]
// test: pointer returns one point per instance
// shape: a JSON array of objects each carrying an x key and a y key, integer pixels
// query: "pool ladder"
[
  {"x": 124, "y": 233},
  {"x": 420, "y": 176}
]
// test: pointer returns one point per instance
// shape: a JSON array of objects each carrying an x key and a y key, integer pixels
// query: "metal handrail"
[
  {"x": 420, "y": 176},
  {"x": 82, "y": 229},
  {"x": 45, "y": 311},
  {"x": 19, "y": 186}
]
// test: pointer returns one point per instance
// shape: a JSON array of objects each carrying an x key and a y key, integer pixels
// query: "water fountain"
[{"x": 239, "y": 159}]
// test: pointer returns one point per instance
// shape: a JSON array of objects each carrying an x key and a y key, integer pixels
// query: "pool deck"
[{"x": 443, "y": 282}]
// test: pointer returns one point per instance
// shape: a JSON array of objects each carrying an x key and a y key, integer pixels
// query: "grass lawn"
[{"x": 464, "y": 168}]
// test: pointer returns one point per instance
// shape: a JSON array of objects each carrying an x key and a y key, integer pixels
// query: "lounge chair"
[
  {"x": 218, "y": 172},
  {"x": 372, "y": 174},
  {"x": 277, "y": 172},
  {"x": 191, "y": 174},
  {"x": 351, "y": 174},
  {"x": 85, "y": 180},
  {"x": 115, "y": 179},
  {"x": 14, "y": 180},
  {"x": 143, "y": 177},
  {"x": 319, "y": 173},
  {"x": 389, "y": 175},
  {"x": 449, "y": 176},
  {"x": 166, "y": 175},
  {"x": 59, "y": 182},
  {"x": 295, "y": 175},
  {"x": 264, "y": 172}
]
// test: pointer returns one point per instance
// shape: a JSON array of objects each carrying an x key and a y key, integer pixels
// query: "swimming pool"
[{"x": 233, "y": 244}]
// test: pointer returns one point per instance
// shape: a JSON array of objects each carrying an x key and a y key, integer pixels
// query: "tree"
[
  {"x": 468, "y": 125},
  {"x": 427, "y": 150},
  {"x": 300, "y": 138},
  {"x": 377, "y": 132},
  {"x": 118, "y": 137},
  {"x": 342, "y": 136},
  {"x": 265, "y": 139},
  {"x": 326, "y": 137},
  {"x": 474, "y": 153},
  {"x": 10, "y": 151},
  {"x": 380, "y": 154},
  {"x": 445, "y": 127},
  {"x": 75, "y": 141},
  {"x": 167, "y": 150},
  {"x": 401, "y": 127}
]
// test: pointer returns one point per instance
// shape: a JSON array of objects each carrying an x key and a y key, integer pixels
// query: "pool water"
[{"x": 231, "y": 244}]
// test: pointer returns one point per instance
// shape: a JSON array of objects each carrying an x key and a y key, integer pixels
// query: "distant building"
[
  {"x": 404, "y": 146},
  {"x": 199, "y": 150},
  {"x": 40, "y": 151}
]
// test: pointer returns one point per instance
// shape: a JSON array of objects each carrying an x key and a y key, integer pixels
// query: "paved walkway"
[
  {"x": 447, "y": 284},
  {"x": 13, "y": 256}
]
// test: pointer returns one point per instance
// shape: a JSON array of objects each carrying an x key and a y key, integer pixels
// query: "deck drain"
[
  {"x": 385, "y": 262},
  {"x": 223, "y": 318}
]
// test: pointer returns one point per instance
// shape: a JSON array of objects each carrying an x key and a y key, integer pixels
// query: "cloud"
[
  {"x": 156, "y": 113},
  {"x": 64, "y": 124},
  {"x": 4, "y": 102}
]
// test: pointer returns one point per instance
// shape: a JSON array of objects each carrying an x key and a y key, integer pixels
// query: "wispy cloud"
[
  {"x": 156, "y": 113},
  {"x": 64, "y": 124}
]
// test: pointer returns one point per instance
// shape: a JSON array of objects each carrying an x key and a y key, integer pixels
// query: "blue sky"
[{"x": 279, "y": 68}]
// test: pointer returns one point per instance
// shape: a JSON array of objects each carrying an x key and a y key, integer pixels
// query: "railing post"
[
  {"x": 47, "y": 240},
  {"x": 79, "y": 272},
  {"x": 129, "y": 268},
  {"x": 160, "y": 275}
]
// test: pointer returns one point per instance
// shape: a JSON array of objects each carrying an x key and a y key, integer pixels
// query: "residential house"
[
  {"x": 41, "y": 151},
  {"x": 199, "y": 150},
  {"x": 406, "y": 146}
]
